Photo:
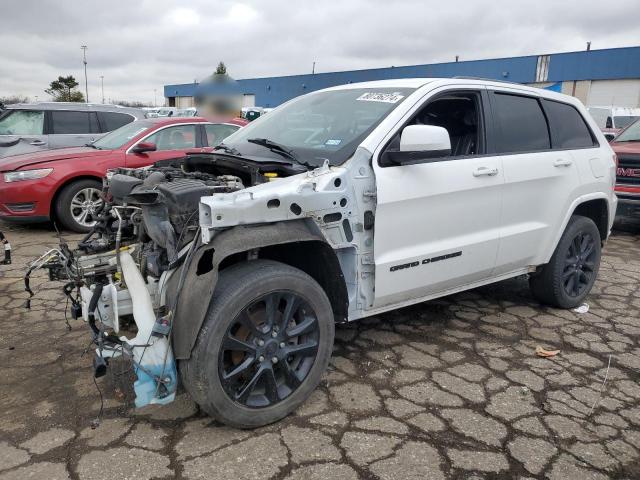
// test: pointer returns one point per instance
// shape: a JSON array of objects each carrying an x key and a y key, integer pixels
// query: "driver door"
[
  {"x": 437, "y": 222},
  {"x": 171, "y": 142}
]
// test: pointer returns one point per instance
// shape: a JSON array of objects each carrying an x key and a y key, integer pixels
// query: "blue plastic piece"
[{"x": 146, "y": 386}]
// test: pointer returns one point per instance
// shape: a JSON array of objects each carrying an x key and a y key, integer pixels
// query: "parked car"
[
  {"x": 612, "y": 120},
  {"x": 341, "y": 204},
  {"x": 65, "y": 184},
  {"x": 29, "y": 127},
  {"x": 627, "y": 148},
  {"x": 151, "y": 112}
]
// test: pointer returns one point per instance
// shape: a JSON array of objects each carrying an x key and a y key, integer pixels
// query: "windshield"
[
  {"x": 631, "y": 134},
  {"x": 122, "y": 135},
  {"x": 22, "y": 122},
  {"x": 324, "y": 125},
  {"x": 622, "y": 122}
]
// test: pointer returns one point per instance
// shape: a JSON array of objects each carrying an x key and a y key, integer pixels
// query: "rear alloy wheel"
[
  {"x": 570, "y": 274},
  {"x": 79, "y": 204},
  {"x": 264, "y": 344},
  {"x": 579, "y": 264}
]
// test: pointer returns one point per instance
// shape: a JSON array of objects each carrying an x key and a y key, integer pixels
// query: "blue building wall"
[{"x": 612, "y": 63}]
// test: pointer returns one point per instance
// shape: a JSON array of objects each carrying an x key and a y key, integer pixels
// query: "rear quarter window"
[
  {"x": 112, "y": 120},
  {"x": 522, "y": 126},
  {"x": 568, "y": 128}
]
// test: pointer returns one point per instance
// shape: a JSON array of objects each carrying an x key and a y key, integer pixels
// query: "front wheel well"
[
  {"x": 61, "y": 187},
  {"x": 598, "y": 211},
  {"x": 314, "y": 257}
]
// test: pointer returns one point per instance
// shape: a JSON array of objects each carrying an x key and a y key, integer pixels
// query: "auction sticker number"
[{"x": 380, "y": 97}]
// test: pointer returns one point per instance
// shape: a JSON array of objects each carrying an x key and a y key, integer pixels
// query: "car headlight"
[{"x": 21, "y": 175}]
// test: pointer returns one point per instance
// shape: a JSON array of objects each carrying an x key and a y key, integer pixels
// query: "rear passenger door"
[
  {"x": 69, "y": 128},
  {"x": 538, "y": 180}
]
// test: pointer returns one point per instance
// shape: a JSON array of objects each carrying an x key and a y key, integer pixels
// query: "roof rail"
[{"x": 464, "y": 77}]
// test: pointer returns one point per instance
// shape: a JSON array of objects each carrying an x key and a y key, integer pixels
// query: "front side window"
[
  {"x": 217, "y": 132},
  {"x": 174, "y": 138},
  {"x": 568, "y": 128},
  {"x": 22, "y": 122},
  {"x": 521, "y": 123},
  {"x": 457, "y": 112},
  {"x": 326, "y": 125},
  {"x": 65, "y": 122},
  {"x": 123, "y": 135}
]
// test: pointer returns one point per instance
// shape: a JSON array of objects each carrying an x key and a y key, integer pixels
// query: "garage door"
[{"x": 614, "y": 93}]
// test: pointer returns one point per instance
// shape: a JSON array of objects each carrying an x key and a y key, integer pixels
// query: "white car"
[{"x": 340, "y": 204}]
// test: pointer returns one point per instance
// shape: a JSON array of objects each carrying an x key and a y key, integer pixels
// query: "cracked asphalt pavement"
[{"x": 446, "y": 389}]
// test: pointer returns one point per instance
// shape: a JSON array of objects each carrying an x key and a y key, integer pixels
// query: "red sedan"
[{"x": 64, "y": 184}]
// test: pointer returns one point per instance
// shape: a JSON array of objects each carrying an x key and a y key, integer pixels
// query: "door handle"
[
  {"x": 562, "y": 162},
  {"x": 37, "y": 143},
  {"x": 485, "y": 171}
]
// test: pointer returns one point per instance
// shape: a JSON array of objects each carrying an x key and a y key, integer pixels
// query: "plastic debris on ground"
[
  {"x": 584, "y": 308},
  {"x": 543, "y": 352}
]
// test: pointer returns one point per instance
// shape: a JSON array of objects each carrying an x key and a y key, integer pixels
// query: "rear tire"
[
  {"x": 567, "y": 279},
  {"x": 265, "y": 342},
  {"x": 78, "y": 204}
]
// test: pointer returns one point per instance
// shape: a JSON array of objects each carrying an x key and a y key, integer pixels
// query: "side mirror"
[
  {"x": 143, "y": 147},
  {"x": 609, "y": 136},
  {"x": 421, "y": 143}
]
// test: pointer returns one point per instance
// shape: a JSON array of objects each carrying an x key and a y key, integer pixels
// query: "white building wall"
[
  {"x": 614, "y": 93},
  {"x": 184, "y": 102}
]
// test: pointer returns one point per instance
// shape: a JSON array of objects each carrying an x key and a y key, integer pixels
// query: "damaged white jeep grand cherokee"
[{"x": 340, "y": 204}]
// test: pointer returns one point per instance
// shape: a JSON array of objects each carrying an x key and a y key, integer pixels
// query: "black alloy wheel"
[
  {"x": 580, "y": 264},
  {"x": 568, "y": 277},
  {"x": 268, "y": 350}
]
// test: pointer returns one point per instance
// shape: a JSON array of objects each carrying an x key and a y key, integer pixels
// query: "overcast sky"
[{"x": 140, "y": 46}]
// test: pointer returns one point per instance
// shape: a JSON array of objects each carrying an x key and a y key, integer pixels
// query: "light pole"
[
  {"x": 84, "y": 60},
  {"x": 102, "y": 86},
  {"x": 155, "y": 103}
]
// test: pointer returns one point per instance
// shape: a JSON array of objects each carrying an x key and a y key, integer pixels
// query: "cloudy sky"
[{"x": 141, "y": 45}]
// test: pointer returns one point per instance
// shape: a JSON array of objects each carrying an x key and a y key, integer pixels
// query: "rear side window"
[
  {"x": 65, "y": 122},
  {"x": 112, "y": 120},
  {"x": 568, "y": 128},
  {"x": 521, "y": 124},
  {"x": 217, "y": 132}
]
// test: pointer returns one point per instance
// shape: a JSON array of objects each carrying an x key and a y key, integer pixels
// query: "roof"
[
  {"x": 172, "y": 120},
  {"x": 99, "y": 107}
]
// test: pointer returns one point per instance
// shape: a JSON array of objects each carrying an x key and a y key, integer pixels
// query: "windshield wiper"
[
  {"x": 279, "y": 149},
  {"x": 227, "y": 149},
  {"x": 92, "y": 146}
]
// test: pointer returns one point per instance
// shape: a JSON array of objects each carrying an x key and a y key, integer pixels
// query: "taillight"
[{"x": 615, "y": 159}]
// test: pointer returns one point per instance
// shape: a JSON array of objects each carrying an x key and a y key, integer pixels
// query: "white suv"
[{"x": 338, "y": 205}]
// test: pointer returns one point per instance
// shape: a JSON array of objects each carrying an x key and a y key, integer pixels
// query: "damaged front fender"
[{"x": 202, "y": 274}]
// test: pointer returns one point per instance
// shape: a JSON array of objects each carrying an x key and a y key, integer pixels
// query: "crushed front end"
[{"x": 120, "y": 273}]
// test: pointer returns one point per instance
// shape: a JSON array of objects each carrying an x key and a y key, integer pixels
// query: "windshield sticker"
[
  {"x": 333, "y": 142},
  {"x": 380, "y": 97}
]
